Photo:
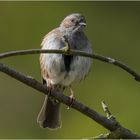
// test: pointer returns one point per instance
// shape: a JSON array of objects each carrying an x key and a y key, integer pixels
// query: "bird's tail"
[{"x": 49, "y": 115}]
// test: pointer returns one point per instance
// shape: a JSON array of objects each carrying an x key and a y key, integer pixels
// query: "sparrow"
[{"x": 61, "y": 71}]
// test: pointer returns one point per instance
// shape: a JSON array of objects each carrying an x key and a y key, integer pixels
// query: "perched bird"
[{"x": 60, "y": 71}]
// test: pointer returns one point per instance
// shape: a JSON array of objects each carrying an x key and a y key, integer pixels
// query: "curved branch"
[
  {"x": 66, "y": 51},
  {"x": 105, "y": 122}
]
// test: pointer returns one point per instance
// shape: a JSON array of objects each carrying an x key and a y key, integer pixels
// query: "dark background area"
[{"x": 114, "y": 30}]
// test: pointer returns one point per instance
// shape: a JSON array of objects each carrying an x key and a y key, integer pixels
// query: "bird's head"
[{"x": 74, "y": 22}]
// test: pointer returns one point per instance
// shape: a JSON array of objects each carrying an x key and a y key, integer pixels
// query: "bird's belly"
[
  {"x": 78, "y": 70},
  {"x": 58, "y": 74},
  {"x": 69, "y": 78}
]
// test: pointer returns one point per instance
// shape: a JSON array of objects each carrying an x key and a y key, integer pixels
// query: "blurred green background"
[{"x": 113, "y": 29}]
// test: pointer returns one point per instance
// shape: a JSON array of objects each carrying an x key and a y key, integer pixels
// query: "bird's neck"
[{"x": 77, "y": 40}]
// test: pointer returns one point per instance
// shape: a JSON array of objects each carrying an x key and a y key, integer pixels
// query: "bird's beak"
[{"x": 82, "y": 24}]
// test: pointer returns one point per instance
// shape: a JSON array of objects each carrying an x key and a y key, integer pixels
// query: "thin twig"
[
  {"x": 66, "y": 51},
  {"x": 105, "y": 122},
  {"x": 107, "y": 111}
]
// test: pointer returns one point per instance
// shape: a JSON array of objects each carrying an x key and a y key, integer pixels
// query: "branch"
[
  {"x": 119, "y": 133},
  {"x": 109, "y": 122},
  {"x": 66, "y": 51},
  {"x": 105, "y": 122}
]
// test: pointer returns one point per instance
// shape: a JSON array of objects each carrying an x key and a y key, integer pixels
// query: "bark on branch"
[{"x": 114, "y": 126}]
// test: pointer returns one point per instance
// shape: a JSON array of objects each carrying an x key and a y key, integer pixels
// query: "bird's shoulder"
[{"x": 54, "y": 36}]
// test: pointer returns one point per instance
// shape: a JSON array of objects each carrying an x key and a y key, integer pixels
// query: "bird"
[{"x": 59, "y": 71}]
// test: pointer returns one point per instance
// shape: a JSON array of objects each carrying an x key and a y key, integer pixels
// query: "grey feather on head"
[{"x": 74, "y": 22}]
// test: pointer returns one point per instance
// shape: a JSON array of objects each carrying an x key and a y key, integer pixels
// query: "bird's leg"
[{"x": 71, "y": 97}]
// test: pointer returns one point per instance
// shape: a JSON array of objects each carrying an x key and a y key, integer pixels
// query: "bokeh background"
[{"x": 113, "y": 29}]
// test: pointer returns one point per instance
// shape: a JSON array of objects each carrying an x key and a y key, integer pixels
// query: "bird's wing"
[{"x": 53, "y": 40}]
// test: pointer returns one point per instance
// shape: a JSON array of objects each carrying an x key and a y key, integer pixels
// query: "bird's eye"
[
  {"x": 77, "y": 22},
  {"x": 72, "y": 20}
]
